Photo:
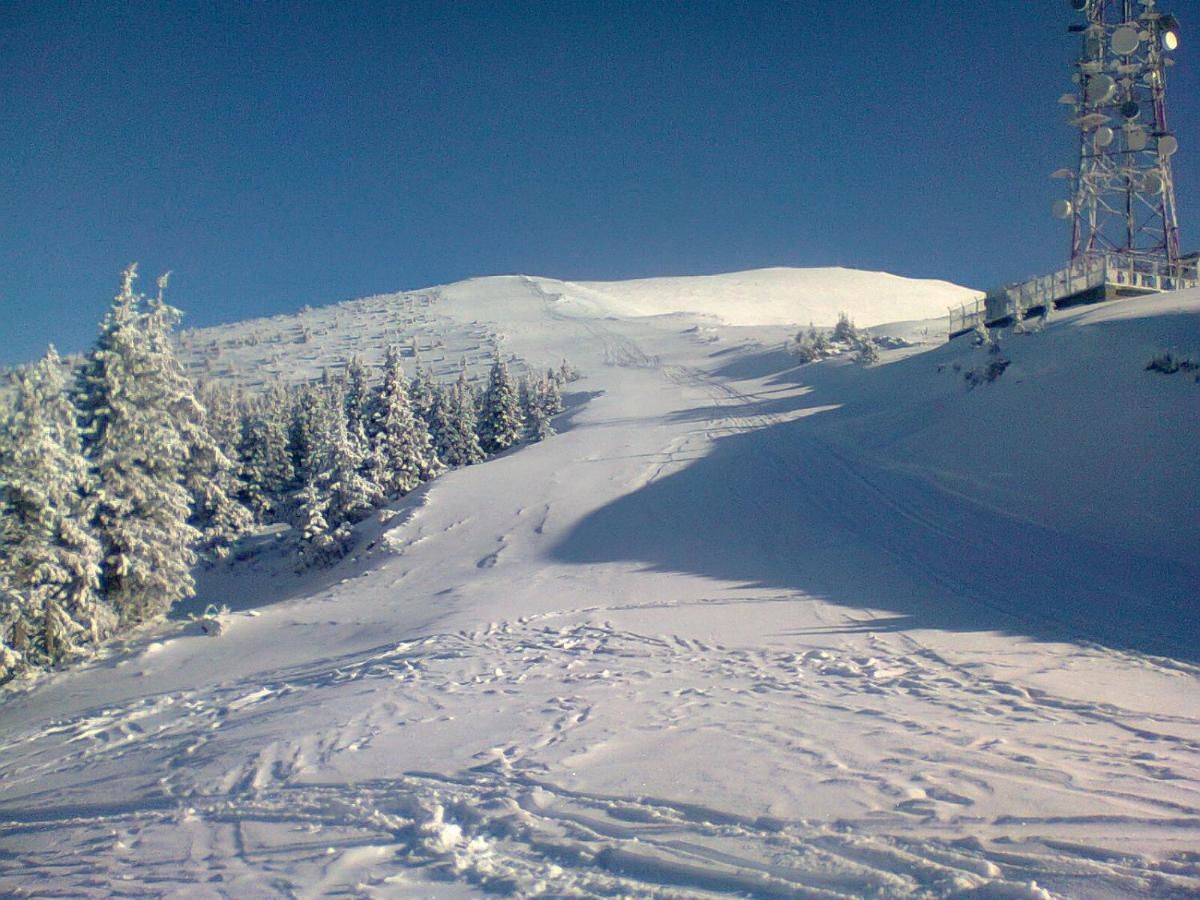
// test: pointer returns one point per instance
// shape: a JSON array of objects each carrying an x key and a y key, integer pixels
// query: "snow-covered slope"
[
  {"x": 456, "y": 323},
  {"x": 741, "y": 628},
  {"x": 777, "y": 296}
]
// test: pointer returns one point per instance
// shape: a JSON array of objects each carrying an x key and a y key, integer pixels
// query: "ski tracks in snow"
[{"x": 514, "y": 814}]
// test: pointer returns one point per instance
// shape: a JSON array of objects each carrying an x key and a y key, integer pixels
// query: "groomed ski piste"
[{"x": 742, "y": 627}]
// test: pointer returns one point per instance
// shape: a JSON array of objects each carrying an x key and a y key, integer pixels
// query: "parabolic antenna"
[
  {"x": 1136, "y": 139},
  {"x": 1100, "y": 89},
  {"x": 1124, "y": 40},
  {"x": 1130, "y": 110},
  {"x": 1151, "y": 183},
  {"x": 1079, "y": 5},
  {"x": 1170, "y": 32},
  {"x": 1103, "y": 136},
  {"x": 1168, "y": 144},
  {"x": 1063, "y": 209}
]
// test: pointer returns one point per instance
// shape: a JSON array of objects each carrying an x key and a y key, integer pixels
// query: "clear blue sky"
[{"x": 274, "y": 154}]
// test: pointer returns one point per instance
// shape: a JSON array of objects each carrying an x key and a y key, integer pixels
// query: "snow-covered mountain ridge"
[
  {"x": 447, "y": 321},
  {"x": 741, "y": 628}
]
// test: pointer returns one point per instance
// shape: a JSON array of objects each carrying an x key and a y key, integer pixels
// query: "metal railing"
[{"x": 1015, "y": 301}]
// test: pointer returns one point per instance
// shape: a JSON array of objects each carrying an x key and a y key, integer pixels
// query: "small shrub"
[
  {"x": 989, "y": 373},
  {"x": 1168, "y": 364},
  {"x": 868, "y": 354}
]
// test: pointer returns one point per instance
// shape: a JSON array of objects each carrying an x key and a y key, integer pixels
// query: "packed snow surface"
[{"x": 742, "y": 627}]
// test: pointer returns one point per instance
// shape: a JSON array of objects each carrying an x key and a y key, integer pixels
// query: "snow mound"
[{"x": 775, "y": 296}]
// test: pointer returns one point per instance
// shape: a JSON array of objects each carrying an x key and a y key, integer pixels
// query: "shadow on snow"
[{"x": 784, "y": 507}]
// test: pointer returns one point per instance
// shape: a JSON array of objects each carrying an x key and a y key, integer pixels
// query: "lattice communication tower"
[{"x": 1124, "y": 199}]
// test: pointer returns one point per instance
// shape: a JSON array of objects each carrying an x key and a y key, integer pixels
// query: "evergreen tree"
[
  {"x": 223, "y": 414},
  {"x": 845, "y": 331},
  {"x": 402, "y": 454},
  {"x": 49, "y": 558},
  {"x": 540, "y": 401},
  {"x": 267, "y": 473},
  {"x": 357, "y": 399},
  {"x": 454, "y": 422},
  {"x": 423, "y": 394},
  {"x": 500, "y": 423},
  {"x": 131, "y": 392},
  {"x": 209, "y": 475},
  {"x": 351, "y": 494},
  {"x": 320, "y": 542},
  {"x": 333, "y": 492},
  {"x": 553, "y": 393}
]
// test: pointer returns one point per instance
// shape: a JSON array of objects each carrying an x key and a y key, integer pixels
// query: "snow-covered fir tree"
[
  {"x": 357, "y": 399},
  {"x": 333, "y": 493},
  {"x": 845, "y": 330},
  {"x": 351, "y": 493},
  {"x": 267, "y": 473},
  {"x": 50, "y": 605},
  {"x": 537, "y": 406},
  {"x": 209, "y": 474},
  {"x": 131, "y": 389},
  {"x": 455, "y": 414},
  {"x": 320, "y": 543},
  {"x": 500, "y": 421},
  {"x": 423, "y": 394},
  {"x": 223, "y": 406},
  {"x": 402, "y": 454}
]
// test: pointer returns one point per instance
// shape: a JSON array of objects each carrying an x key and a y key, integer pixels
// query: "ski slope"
[{"x": 741, "y": 628}]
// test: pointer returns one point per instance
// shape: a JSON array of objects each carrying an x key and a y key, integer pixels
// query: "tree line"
[{"x": 118, "y": 474}]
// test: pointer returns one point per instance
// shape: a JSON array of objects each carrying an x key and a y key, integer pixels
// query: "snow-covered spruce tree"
[
  {"x": 49, "y": 558},
  {"x": 539, "y": 401},
  {"x": 223, "y": 407},
  {"x": 402, "y": 454},
  {"x": 310, "y": 442},
  {"x": 454, "y": 422},
  {"x": 333, "y": 493},
  {"x": 131, "y": 389},
  {"x": 423, "y": 394},
  {"x": 553, "y": 400},
  {"x": 267, "y": 474},
  {"x": 320, "y": 543},
  {"x": 357, "y": 399},
  {"x": 500, "y": 422},
  {"x": 209, "y": 474},
  {"x": 868, "y": 353},
  {"x": 351, "y": 494},
  {"x": 845, "y": 331}
]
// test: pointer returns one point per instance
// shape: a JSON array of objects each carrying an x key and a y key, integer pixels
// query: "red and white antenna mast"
[{"x": 1124, "y": 200}]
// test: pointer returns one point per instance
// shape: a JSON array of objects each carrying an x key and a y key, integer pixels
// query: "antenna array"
[{"x": 1124, "y": 198}]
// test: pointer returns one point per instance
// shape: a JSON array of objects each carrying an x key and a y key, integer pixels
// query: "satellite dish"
[
  {"x": 1168, "y": 144},
  {"x": 1063, "y": 209},
  {"x": 1091, "y": 120},
  {"x": 1103, "y": 136},
  {"x": 1130, "y": 110},
  {"x": 1079, "y": 5},
  {"x": 1151, "y": 183},
  {"x": 1136, "y": 139},
  {"x": 1124, "y": 40},
  {"x": 1100, "y": 89},
  {"x": 1169, "y": 26}
]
